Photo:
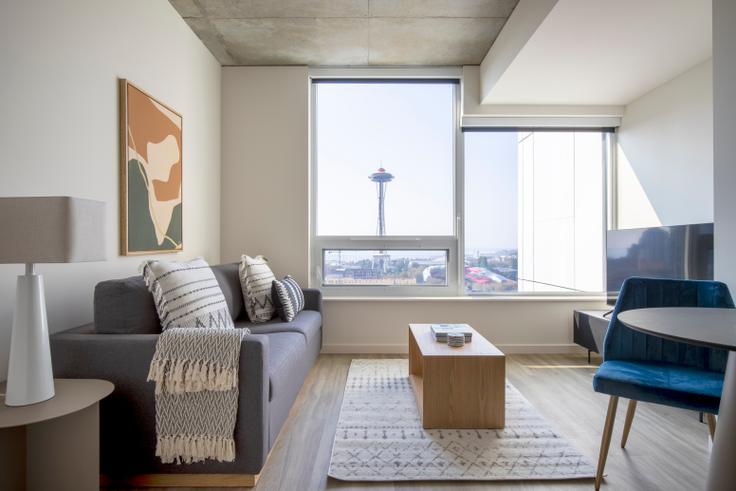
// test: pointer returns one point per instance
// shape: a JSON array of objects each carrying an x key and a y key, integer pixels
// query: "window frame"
[
  {"x": 454, "y": 244},
  {"x": 608, "y": 136},
  {"x": 450, "y": 243}
]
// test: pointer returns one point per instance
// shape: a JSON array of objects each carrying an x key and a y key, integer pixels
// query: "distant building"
[{"x": 381, "y": 261}]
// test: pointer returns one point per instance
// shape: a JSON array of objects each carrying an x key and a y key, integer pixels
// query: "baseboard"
[
  {"x": 399, "y": 348},
  {"x": 542, "y": 349},
  {"x": 183, "y": 480},
  {"x": 365, "y": 349}
]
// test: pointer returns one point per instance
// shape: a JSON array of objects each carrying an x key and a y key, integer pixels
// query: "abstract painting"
[{"x": 150, "y": 174}]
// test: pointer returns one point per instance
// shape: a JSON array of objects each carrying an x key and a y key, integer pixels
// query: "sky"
[
  {"x": 405, "y": 128},
  {"x": 354, "y": 137},
  {"x": 491, "y": 162}
]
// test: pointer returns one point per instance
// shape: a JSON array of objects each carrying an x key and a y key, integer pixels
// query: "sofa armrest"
[
  {"x": 127, "y": 423},
  {"x": 312, "y": 299},
  {"x": 121, "y": 358}
]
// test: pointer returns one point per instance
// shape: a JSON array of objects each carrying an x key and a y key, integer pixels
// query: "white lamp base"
[{"x": 30, "y": 377}]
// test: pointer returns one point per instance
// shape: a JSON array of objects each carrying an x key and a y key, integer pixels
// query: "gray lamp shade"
[{"x": 51, "y": 229}]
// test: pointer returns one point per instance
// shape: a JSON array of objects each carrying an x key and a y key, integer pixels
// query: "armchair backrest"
[{"x": 623, "y": 343}]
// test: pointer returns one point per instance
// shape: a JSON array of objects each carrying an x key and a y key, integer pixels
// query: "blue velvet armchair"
[{"x": 647, "y": 368}]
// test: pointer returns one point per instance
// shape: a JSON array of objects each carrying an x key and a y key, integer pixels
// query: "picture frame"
[{"x": 151, "y": 174}]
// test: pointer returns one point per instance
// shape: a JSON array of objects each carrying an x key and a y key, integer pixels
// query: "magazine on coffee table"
[{"x": 440, "y": 331}]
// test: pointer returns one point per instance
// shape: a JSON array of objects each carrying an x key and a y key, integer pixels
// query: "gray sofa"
[{"x": 119, "y": 345}]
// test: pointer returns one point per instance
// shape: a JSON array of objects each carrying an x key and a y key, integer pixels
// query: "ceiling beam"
[{"x": 521, "y": 25}]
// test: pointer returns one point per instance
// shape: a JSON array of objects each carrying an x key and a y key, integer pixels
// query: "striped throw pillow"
[
  {"x": 255, "y": 280},
  {"x": 288, "y": 298},
  {"x": 186, "y": 294}
]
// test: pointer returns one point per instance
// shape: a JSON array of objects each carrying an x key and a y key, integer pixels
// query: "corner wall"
[
  {"x": 724, "y": 149},
  {"x": 665, "y": 153},
  {"x": 59, "y": 127}
]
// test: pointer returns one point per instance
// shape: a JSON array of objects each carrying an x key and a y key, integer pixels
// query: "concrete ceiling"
[
  {"x": 587, "y": 52},
  {"x": 346, "y": 32}
]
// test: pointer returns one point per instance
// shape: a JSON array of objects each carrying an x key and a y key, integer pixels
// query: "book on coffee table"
[{"x": 440, "y": 331}]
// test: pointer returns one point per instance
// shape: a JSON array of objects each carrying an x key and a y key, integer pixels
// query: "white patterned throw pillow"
[
  {"x": 288, "y": 298},
  {"x": 186, "y": 294},
  {"x": 255, "y": 280}
]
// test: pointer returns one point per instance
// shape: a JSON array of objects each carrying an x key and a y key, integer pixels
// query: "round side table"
[{"x": 54, "y": 444}]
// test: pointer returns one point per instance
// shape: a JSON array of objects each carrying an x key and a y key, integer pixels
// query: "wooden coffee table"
[{"x": 457, "y": 387}]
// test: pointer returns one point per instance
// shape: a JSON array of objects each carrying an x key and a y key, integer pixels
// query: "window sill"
[{"x": 485, "y": 298}]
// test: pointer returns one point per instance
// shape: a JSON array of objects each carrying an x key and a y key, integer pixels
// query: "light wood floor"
[{"x": 667, "y": 448}]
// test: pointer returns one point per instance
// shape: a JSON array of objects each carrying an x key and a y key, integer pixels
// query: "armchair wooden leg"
[
  {"x": 606, "y": 439},
  {"x": 711, "y": 425},
  {"x": 627, "y": 423}
]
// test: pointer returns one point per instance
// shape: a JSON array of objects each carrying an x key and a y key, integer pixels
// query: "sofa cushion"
[
  {"x": 227, "y": 277},
  {"x": 186, "y": 294},
  {"x": 125, "y": 306},
  {"x": 307, "y": 323},
  {"x": 288, "y": 298},
  {"x": 661, "y": 383},
  {"x": 255, "y": 281},
  {"x": 285, "y": 352}
]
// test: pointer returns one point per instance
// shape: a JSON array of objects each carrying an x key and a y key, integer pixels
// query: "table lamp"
[{"x": 42, "y": 230}]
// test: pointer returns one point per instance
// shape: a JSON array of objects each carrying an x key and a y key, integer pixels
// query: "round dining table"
[{"x": 713, "y": 328}]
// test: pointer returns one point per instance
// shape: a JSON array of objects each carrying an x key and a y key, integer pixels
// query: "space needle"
[{"x": 381, "y": 178}]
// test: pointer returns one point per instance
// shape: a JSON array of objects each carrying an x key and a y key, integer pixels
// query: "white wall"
[
  {"x": 665, "y": 153},
  {"x": 535, "y": 114},
  {"x": 265, "y": 155},
  {"x": 59, "y": 127},
  {"x": 724, "y": 96},
  {"x": 265, "y": 202},
  {"x": 514, "y": 325}
]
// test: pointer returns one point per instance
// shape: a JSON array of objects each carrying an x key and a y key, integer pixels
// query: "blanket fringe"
[
  {"x": 181, "y": 376},
  {"x": 188, "y": 449}
]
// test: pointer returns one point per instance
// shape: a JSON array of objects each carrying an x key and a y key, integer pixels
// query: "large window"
[
  {"x": 384, "y": 184},
  {"x": 534, "y": 211},
  {"x": 403, "y": 203}
]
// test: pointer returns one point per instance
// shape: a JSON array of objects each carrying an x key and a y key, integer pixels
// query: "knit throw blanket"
[{"x": 196, "y": 376}]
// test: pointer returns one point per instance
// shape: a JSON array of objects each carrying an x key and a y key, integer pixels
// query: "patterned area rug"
[{"x": 380, "y": 437}]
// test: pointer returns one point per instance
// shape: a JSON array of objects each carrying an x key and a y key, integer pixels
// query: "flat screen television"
[{"x": 678, "y": 251}]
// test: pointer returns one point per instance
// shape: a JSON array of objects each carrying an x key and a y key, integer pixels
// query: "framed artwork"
[{"x": 150, "y": 174}]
